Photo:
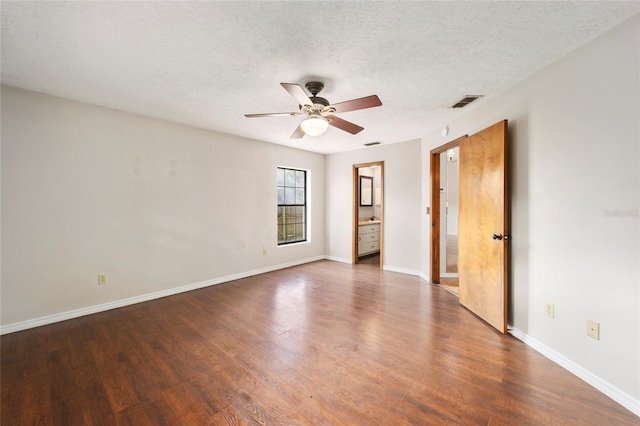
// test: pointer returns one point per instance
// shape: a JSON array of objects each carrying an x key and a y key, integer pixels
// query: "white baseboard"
[
  {"x": 448, "y": 275},
  {"x": 400, "y": 270},
  {"x": 76, "y": 313},
  {"x": 425, "y": 277},
  {"x": 338, "y": 259},
  {"x": 603, "y": 386},
  {"x": 385, "y": 268}
]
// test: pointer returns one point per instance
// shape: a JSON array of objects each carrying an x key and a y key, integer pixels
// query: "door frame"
[
  {"x": 435, "y": 206},
  {"x": 355, "y": 203}
]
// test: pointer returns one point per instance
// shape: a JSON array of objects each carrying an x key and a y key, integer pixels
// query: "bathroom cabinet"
[{"x": 368, "y": 238}]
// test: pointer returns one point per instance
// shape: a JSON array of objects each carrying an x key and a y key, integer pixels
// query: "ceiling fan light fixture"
[
  {"x": 319, "y": 112},
  {"x": 314, "y": 125}
]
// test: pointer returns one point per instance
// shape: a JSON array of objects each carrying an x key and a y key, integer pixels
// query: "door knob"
[{"x": 497, "y": 236}]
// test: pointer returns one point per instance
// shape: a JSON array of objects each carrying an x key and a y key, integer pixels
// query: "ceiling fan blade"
[
  {"x": 298, "y": 134},
  {"x": 273, "y": 114},
  {"x": 345, "y": 125},
  {"x": 361, "y": 103},
  {"x": 298, "y": 93}
]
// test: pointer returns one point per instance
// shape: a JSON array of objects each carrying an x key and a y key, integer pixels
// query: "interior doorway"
[
  {"x": 368, "y": 213},
  {"x": 444, "y": 215},
  {"x": 483, "y": 225},
  {"x": 449, "y": 196}
]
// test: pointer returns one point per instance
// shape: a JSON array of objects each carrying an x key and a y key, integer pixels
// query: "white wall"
[
  {"x": 402, "y": 183},
  {"x": 153, "y": 204},
  {"x": 574, "y": 135}
]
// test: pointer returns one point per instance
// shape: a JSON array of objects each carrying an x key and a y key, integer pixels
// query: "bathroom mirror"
[{"x": 366, "y": 191}]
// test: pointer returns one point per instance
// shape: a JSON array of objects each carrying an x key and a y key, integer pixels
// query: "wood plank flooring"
[
  {"x": 450, "y": 284},
  {"x": 372, "y": 259},
  {"x": 319, "y": 344}
]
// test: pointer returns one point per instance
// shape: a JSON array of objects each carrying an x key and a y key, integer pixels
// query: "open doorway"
[
  {"x": 444, "y": 215},
  {"x": 483, "y": 222},
  {"x": 368, "y": 212},
  {"x": 449, "y": 190}
]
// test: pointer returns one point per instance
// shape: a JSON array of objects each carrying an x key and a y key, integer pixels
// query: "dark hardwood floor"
[
  {"x": 450, "y": 284},
  {"x": 372, "y": 259},
  {"x": 322, "y": 343}
]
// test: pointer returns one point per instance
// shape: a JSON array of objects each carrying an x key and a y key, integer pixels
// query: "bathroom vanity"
[{"x": 368, "y": 237}]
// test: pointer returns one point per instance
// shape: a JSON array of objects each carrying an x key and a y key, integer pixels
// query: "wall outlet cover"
[{"x": 593, "y": 329}]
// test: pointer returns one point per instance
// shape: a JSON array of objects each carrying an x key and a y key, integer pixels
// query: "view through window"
[{"x": 292, "y": 205}]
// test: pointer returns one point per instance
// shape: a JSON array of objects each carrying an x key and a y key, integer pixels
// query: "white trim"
[
  {"x": 448, "y": 275},
  {"x": 425, "y": 277},
  {"x": 400, "y": 270},
  {"x": 622, "y": 398},
  {"x": 63, "y": 316},
  {"x": 297, "y": 243},
  {"x": 338, "y": 259},
  {"x": 385, "y": 267}
]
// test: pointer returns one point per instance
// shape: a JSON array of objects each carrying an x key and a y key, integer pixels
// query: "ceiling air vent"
[
  {"x": 372, "y": 143},
  {"x": 466, "y": 101}
]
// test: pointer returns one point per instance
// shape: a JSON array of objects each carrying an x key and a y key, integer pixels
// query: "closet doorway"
[
  {"x": 444, "y": 215},
  {"x": 449, "y": 213},
  {"x": 368, "y": 213}
]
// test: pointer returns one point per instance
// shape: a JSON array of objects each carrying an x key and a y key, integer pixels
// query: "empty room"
[{"x": 303, "y": 213}]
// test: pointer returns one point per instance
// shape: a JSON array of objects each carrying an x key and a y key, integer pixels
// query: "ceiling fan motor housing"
[
  {"x": 314, "y": 87},
  {"x": 317, "y": 100}
]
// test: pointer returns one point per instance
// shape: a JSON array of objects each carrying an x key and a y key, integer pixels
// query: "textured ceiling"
[{"x": 207, "y": 63}]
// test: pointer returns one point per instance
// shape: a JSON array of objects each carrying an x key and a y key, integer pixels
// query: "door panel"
[{"x": 483, "y": 217}]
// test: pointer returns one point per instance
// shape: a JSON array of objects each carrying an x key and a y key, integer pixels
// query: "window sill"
[{"x": 293, "y": 244}]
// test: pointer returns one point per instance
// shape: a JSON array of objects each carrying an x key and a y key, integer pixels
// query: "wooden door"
[{"x": 483, "y": 224}]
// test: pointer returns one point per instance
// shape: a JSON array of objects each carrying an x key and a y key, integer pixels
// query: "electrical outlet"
[
  {"x": 264, "y": 252},
  {"x": 548, "y": 309},
  {"x": 102, "y": 278},
  {"x": 593, "y": 329}
]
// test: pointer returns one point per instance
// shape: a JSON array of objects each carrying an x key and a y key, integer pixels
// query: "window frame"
[{"x": 304, "y": 205}]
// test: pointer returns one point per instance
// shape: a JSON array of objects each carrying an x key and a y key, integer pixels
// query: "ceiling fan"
[{"x": 319, "y": 112}]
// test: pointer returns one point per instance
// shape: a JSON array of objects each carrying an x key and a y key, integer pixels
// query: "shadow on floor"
[{"x": 372, "y": 259}]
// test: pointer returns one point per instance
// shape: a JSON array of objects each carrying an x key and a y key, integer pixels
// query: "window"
[{"x": 292, "y": 206}]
